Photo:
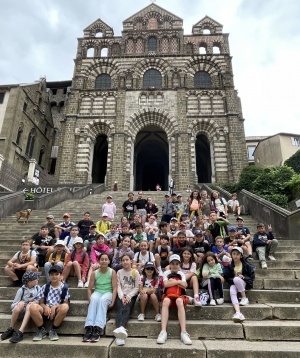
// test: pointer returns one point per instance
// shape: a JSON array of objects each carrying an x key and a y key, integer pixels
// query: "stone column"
[
  {"x": 90, "y": 179},
  {"x": 1, "y": 161},
  {"x": 32, "y": 163}
]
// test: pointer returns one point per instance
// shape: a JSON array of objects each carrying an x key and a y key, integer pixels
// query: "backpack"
[
  {"x": 194, "y": 205},
  {"x": 107, "y": 224},
  {"x": 204, "y": 298},
  {"x": 23, "y": 291},
  {"x": 138, "y": 257},
  {"x": 174, "y": 291},
  {"x": 159, "y": 249},
  {"x": 62, "y": 256},
  {"x": 63, "y": 292},
  {"x": 73, "y": 256},
  {"x": 19, "y": 254}
]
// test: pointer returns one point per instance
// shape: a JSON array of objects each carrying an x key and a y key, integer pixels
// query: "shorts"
[
  {"x": 142, "y": 212},
  {"x": 129, "y": 216},
  {"x": 150, "y": 238},
  {"x": 173, "y": 301}
]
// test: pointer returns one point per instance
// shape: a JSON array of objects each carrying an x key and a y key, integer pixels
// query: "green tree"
[
  {"x": 294, "y": 162},
  {"x": 247, "y": 177}
]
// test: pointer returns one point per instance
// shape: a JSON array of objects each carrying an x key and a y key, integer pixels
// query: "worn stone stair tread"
[{"x": 272, "y": 330}]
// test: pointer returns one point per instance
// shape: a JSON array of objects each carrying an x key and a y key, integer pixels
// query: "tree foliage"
[{"x": 294, "y": 162}]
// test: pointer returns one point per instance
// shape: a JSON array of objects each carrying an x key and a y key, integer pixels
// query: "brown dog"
[{"x": 25, "y": 214}]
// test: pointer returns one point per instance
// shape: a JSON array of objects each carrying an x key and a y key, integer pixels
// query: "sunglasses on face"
[{"x": 150, "y": 269}]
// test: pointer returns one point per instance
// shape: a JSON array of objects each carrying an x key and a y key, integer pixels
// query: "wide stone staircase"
[{"x": 271, "y": 328}]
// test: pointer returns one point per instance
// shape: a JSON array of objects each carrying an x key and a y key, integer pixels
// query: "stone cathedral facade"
[{"x": 151, "y": 105}]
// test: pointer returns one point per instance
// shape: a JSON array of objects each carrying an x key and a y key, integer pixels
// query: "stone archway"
[{"x": 100, "y": 159}]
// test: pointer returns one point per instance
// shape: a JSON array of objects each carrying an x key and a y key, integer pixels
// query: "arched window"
[
  {"x": 216, "y": 50},
  {"x": 202, "y": 80},
  {"x": 152, "y": 24},
  {"x": 103, "y": 81},
  {"x": 206, "y": 32},
  {"x": 90, "y": 52},
  {"x": 202, "y": 50},
  {"x": 152, "y": 44},
  {"x": 30, "y": 143},
  {"x": 20, "y": 131},
  {"x": 152, "y": 78},
  {"x": 104, "y": 52},
  {"x": 42, "y": 151}
]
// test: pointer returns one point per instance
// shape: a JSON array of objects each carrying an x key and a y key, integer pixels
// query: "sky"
[{"x": 39, "y": 38}]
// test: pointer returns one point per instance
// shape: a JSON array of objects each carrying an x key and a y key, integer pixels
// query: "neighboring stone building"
[
  {"x": 276, "y": 149},
  {"x": 26, "y": 132},
  {"x": 151, "y": 105}
]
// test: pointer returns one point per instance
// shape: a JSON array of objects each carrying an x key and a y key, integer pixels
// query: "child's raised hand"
[{"x": 270, "y": 227}]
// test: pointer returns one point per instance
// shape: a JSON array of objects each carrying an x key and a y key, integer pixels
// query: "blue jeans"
[
  {"x": 48, "y": 266},
  {"x": 98, "y": 309}
]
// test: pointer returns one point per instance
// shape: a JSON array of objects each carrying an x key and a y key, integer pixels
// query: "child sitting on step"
[
  {"x": 120, "y": 251},
  {"x": 128, "y": 288},
  {"x": 143, "y": 256},
  {"x": 148, "y": 286},
  {"x": 264, "y": 244},
  {"x": 23, "y": 299},
  {"x": 174, "y": 296},
  {"x": 77, "y": 263},
  {"x": 240, "y": 276}
]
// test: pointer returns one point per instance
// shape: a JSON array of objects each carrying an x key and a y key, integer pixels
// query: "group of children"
[{"x": 153, "y": 262}]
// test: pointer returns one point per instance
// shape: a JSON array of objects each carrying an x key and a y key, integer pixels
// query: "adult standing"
[
  {"x": 171, "y": 186},
  {"x": 140, "y": 207}
]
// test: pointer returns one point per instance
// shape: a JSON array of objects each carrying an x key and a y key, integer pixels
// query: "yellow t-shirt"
[
  {"x": 57, "y": 258},
  {"x": 238, "y": 269}
]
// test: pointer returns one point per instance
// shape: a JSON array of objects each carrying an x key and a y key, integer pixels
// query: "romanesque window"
[
  {"x": 104, "y": 52},
  {"x": 130, "y": 46},
  {"x": 103, "y": 81},
  {"x": 42, "y": 151},
  {"x": 216, "y": 50},
  {"x": 30, "y": 142},
  {"x": 152, "y": 44},
  {"x": 202, "y": 50},
  {"x": 202, "y": 80},
  {"x": 152, "y": 24},
  {"x": 174, "y": 44},
  {"x": 152, "y": 78},
  {"x": 90, "y": 52},
  {"x": 139, "y": 46},
  {"x": 116, "y": 49},
  {"x": 206, "y": 32},
  {"x": 189, "y": 49},
  {"x": 20, "y": 131},
  {"x": 164, "y": 45}
]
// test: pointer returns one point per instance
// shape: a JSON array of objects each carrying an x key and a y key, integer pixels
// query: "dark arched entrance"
[
  {"x": 151, "y": 159},
  {"x": 203, "y": 159},
  {"x": 100, "y": 159}
]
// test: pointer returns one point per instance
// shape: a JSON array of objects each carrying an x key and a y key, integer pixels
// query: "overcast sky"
[{"x": 39, "y": 38}]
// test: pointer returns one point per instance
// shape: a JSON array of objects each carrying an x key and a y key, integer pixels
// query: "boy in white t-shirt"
[
  {"x": 234, "y": 205},
  {"x": 142, "y": 257},
  {"x": 69, "y": 240}
]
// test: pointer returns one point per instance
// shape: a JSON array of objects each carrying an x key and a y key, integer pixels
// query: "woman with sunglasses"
[{"x": 148, "y": 286}]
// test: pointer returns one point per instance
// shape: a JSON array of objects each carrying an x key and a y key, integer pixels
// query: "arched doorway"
[
  {"x": 151, "y": 159},
  {"x": 100, "y": 159},
  {"x": 203, "y": 159}
]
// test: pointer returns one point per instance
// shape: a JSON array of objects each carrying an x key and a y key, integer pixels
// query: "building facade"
[{"x": 151, "y": 105}]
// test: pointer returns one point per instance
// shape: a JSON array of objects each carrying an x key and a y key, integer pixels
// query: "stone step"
[{"x": 255, "y": 296}]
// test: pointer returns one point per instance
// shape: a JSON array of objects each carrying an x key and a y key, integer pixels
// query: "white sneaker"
[
  {"x": 244, "y": 301},
  {"x": 212, "y": 302},
  {"x": 157, "y": 318},
  {"x": 86, "y": 284},
  {"x": 238, "y": 317},
  {"x": 272, "y": 258},
  {"x": 264, "y": 266},
  {"x": 80, "y": 284},
  {"x": 220, "y": 301},
  {"x": 185, "y": 337},
  {"x": 162, "y": 337},
  {"x": 197, "y": 302},
  {"x": 141, "y": 317},
  {"x": 120, "y": 333},
  {"x": 120, "y": 342}
]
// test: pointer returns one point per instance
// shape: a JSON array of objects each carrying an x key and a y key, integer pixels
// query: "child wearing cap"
[
  {"x": 23, "y": 260},
  {"x": 53, "y": 304},
  {"x": 102, "y": 226},
  {"x": 65, "y": 226},
  {"x": 58, "y": 257},
  {"x": 240, "y": 276},
  {"x": 77, "y": 263},
  {"x": 174, "y": 277},
  {"x": 110, "y": 208},
  {"x": 22, "y": 301},
  {"x": 234, "y": 240},
  {"x": 148, "y": 285}
]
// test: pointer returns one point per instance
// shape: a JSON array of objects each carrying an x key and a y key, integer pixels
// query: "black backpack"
[
  {"x": 62, "y": 256},
  {"x": 63, "y": 292},
  {"x": 138, "y": 257}
]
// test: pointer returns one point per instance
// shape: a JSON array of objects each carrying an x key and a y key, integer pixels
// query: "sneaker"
[
  {"x": 41, "y": 333},
  {"x": 80, "y": 284},
  {"x": 162, "y": 337},
  {"x": 250, "y": 257},
  {"x": 264, "y": 266},
  {"x": 16, "y": 283},
  {"x": 220, "y": 301},
  {"x": 141, "y": 317},
  {"x": 157, "y": 318},
  {"x": 120, "y": 333},
  {"x": 95, "y": 335},
  {"x": 272, "y": 258},
  {"x": 88, "y": 334},
  {"x": 17, "y": 337},
  {"x": 53, "y": 335},
  {"x": 86, "y": 285},
  {"x": 212, "y": 302},
  {"x": 185, "y": 337},
  {"x": 7, "y": 334},
  {"x": 238, "y": 317},
  {"x": 120, "y": 342},
  {"x": 197, "y": 302},
  {"x": 244, "y": 301}
]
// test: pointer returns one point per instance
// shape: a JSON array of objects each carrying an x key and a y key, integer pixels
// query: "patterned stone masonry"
[{"x": 152, "y": 78}]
